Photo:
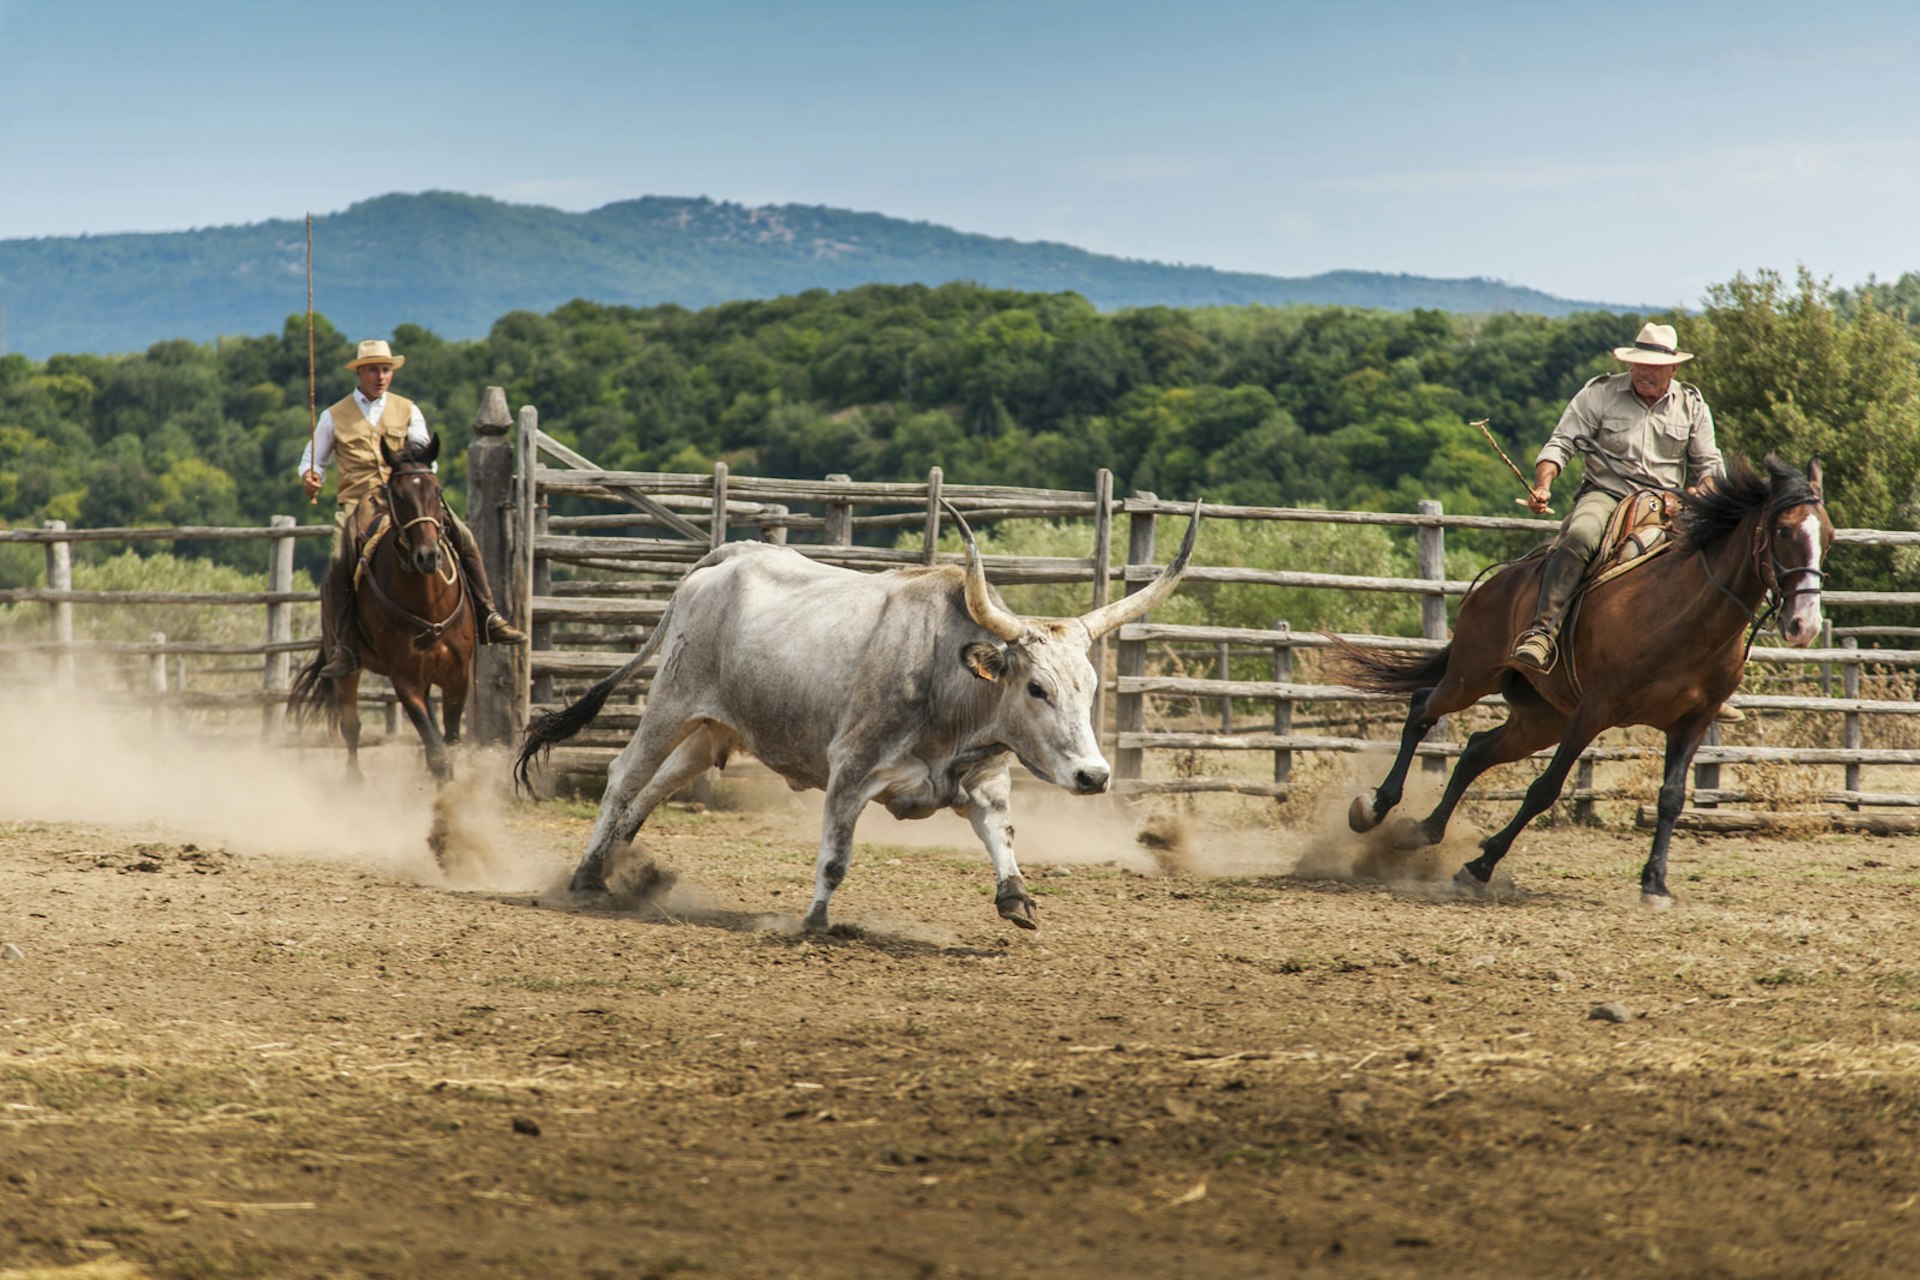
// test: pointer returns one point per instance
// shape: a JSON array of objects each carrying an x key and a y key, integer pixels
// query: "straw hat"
[
  {"x": 376, "y": 351},
  {"x": 1657, "y": 344}
]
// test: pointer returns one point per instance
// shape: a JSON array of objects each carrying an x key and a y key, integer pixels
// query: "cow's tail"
[
  {"x": 550, "y": 727},
  {"x": 1380, "y": 672}
]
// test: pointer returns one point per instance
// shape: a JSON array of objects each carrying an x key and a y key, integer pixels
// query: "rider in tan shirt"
[
  {"x": 349, "y": 434},
  {"x": 1637, "y": 430}
]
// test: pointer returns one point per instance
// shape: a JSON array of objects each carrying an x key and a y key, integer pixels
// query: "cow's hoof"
[
  {"x": 587, "y": 882},
  {"x": 1657, "y": 901},
  {"x": 816, "y": 920},
  {"x": 1360, "y": 815},
  {"x": 1014, "y": 903},
  {"x": 1468, "y": 885}
]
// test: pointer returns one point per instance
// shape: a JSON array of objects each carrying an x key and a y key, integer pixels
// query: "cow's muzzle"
[{"x": 1091, "y": 781}]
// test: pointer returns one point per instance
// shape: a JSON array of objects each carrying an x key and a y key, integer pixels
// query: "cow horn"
[
  {"x": 981, "y": 606},
  {"x": 1118, "y": 613}
]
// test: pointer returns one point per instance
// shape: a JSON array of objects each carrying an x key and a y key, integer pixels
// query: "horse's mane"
[
  {"x": 416, "y": 451},
  {"x": 1738, "y": 491}
]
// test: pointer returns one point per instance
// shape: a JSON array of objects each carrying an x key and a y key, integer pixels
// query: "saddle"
[
  {"x": 1640, "y": 528},
  {"x": 366, "y": 526}
]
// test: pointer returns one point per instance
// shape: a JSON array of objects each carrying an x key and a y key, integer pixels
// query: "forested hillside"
[
  {"x": 1330, "y": 406},
  {"x": 455, "y": 263}
]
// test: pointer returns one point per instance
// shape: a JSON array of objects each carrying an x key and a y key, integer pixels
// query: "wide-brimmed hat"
[
  {"x": 376, "y": 351},
  {"x": 1657, "y": 344}
]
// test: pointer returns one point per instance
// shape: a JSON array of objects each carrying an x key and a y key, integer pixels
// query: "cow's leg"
[
  {"x": 1540, "y": 796},
  {"x": 1683, "y": 739},
  {"x": 990, "y": 811},
  {"x": 845, "y": 800},
  {"x": 1365, "y": 812},
  {"x": 654, "y": 765}
]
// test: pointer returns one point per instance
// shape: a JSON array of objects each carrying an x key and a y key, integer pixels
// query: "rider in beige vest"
[{"x": 350, "y": 434}]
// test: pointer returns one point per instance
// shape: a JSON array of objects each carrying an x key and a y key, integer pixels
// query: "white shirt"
[{"x": 318, "y": 455}]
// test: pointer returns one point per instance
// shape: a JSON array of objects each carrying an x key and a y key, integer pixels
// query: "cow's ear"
[{"x": 984, "y": 660}]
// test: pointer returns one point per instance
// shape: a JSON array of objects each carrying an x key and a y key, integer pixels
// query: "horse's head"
[
  {"x": 413, "y": 496},
  {"x": 1790, "y": 547}
]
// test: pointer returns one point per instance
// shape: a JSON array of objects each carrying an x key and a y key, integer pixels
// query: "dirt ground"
[{"x": 249, "y": 1030}]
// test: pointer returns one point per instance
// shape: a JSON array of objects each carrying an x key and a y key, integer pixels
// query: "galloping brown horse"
[
  {"x": 413, "y": 616},
  {"x": 1663, "y": 645}
]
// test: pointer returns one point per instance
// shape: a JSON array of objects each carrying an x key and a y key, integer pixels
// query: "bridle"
[
  {"x": 430, "y": 631},
  {"x": 1770, "y": 569},
  {"x": 431, "y": 516}
]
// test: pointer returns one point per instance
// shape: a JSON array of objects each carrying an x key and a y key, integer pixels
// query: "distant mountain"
[{"x": 456, "y": 263}]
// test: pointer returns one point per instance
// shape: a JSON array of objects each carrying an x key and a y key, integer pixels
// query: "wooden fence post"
[
  {"x": 1102, "y": 588},
  {"x": 1283, "y": 707},
  {"x": 771, "y": 532},
  {"x": 1706, "y": 777},
  {"x": 1432, "y": 544},
  {"x": 717, "y": 531},
  {"x": 839, "y": 522},
  {"x": 157, "y": 678},
  {"x": 1850, "y": 721},
  {"x": 277, "y": 668},
  {"x": 1223, "y": 668},
  {"x": 60, "y": 612},
  {"x": 1129, "y": 709},
  {"x": 526, "y": 451},
  {"x": 489, "y": 508},
  {"x": 930, "y": 543}
]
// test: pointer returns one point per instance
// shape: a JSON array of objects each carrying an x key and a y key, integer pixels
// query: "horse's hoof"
[
  {"x": 1468, "y": 884},
  {"x": 1015, "y": 904},
  {"x": 1409, "y": 834},
  {"x": 1656, "y": 901},
  {"x": 1360, "y": 815}
]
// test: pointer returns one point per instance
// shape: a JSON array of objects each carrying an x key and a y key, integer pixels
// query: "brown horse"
[
  {"x": 1663, "y": 645},
  {"x": 415, "y": 623}
]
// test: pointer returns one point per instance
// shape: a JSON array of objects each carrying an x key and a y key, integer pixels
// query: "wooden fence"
[
  {"x": 591, "y": 581},
  {"x": 620, "y": 582}
]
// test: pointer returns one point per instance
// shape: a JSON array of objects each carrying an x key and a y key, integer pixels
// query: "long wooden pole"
[{"x": 313, "y": 416}]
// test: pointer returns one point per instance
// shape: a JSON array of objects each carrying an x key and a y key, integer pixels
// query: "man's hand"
[
  {"x": 311, "y": 482},
  {"x": 1539, "y": 498}
]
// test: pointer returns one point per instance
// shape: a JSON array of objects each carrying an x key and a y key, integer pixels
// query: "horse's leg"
[
  {"x": 1683, "y": 739},
  {"x": 455, "y": 679},
  {"x": 1365, "y": 813},
  {"x": 666, "y": 753},
  {"x": 1528, "y": 728},
  {"x": 346, "y": 698},
  {"x": 1580, "y": 731},
  {"x": 413, "y": 700}
]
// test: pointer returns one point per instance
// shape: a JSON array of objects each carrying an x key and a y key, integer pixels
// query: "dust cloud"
[{"x": 67, "y": 758}]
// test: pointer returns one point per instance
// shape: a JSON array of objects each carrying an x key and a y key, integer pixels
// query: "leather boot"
[
  {"x": 493, "y": 628},
  {"x": 339, "y": 631},
  {"x": 1536, "y": 648}
]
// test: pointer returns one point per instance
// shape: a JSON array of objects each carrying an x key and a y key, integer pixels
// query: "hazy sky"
[{"x": 1580, "y": 149}]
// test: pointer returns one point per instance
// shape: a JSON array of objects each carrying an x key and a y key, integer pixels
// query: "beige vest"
[{"x": 356, "y": 445}]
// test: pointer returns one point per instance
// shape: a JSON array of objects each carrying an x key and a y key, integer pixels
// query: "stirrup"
[
  {"x": 500, "y": 631},
  {"x": 341, "y": 663},
  {"x": 1535, "y": 650}
]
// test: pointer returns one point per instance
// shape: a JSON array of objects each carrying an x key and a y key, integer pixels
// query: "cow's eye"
[{"x": 1034, "y": 690}]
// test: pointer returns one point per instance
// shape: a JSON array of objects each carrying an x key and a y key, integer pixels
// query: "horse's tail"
[
  {"x": 312, "y": 694},
  {"x": 1378, "y": 671},
  {"x": 550, "y": 727}
]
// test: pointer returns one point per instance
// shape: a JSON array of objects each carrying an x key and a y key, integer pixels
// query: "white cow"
[{"x": 912, "y": 688}]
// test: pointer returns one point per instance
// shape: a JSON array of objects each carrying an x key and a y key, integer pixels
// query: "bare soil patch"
[{"x": 227, "y": 1056}]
